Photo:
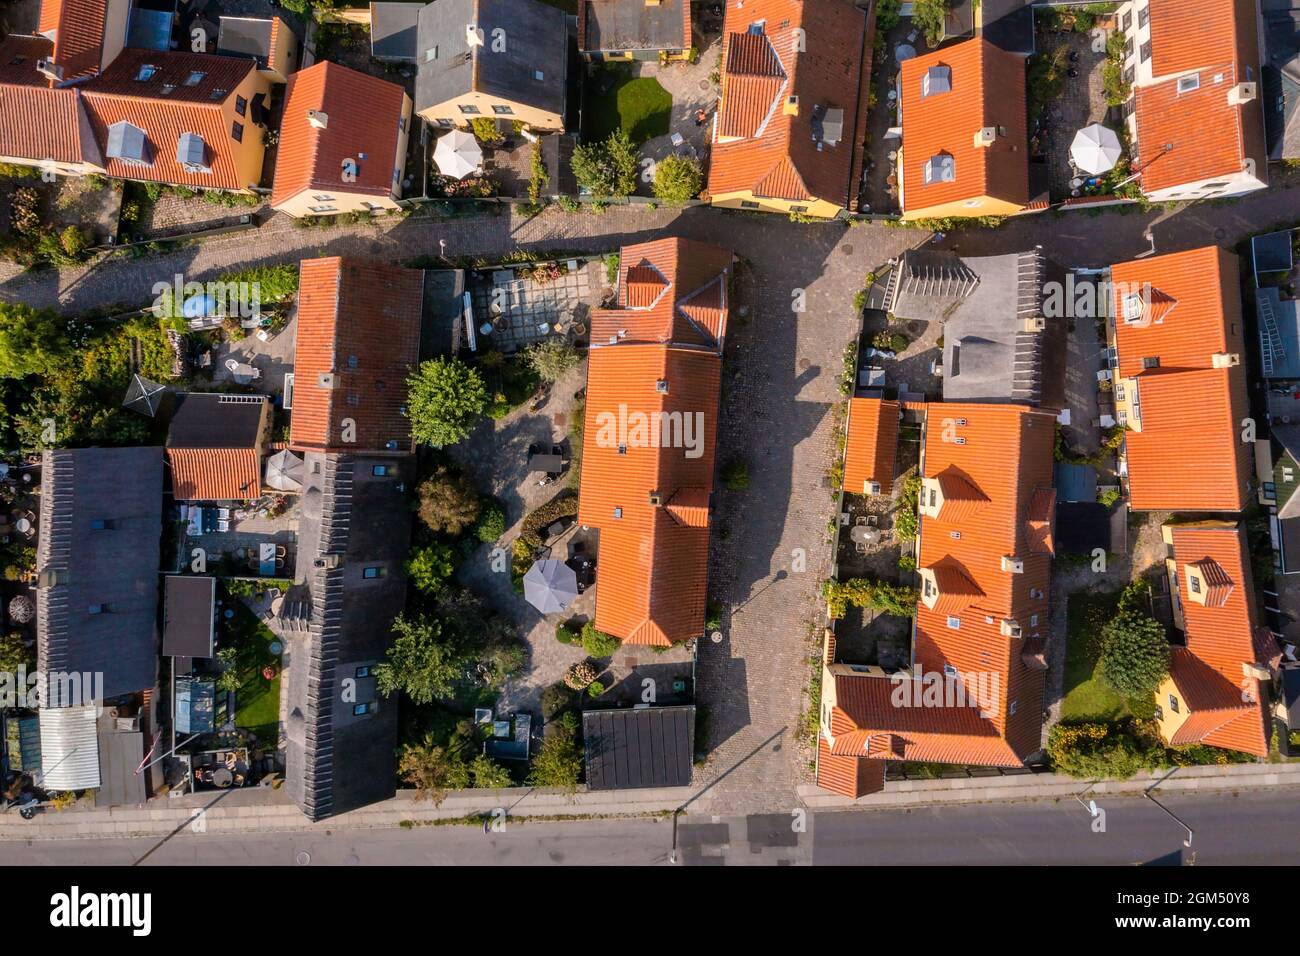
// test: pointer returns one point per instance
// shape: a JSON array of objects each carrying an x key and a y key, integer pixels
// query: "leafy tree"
[
  {"x": 429, "y": 568},
  {"x": 556, "y": 699},
  {"x": 421, "y": 661},
  {"x": 598, "y": 643},
  {"x": 432, "y": 769},
  {"x": 487, "y": 774},
  {"x": 446, "y": 399},
  {"x": 1094, "y": 750},
  {"x": 1134, "y": 653},
  {"x": 552, "y": 359},
  {"x": 607, "y": 168},
  {"x": 486, "y": 131},
  {"x": 503, "y": 660},
  {"x": 896, "y": 599},
  {"x": 449, "y": 502},
  {"x": 14, "y": 653},
  {"x": 929, "y": 16},
  {"x": 32, "y": 341},
  {"x": 559, "y": 762},
  {"x": 678, "y": 179},
  {"x": 491, "y": 524}
]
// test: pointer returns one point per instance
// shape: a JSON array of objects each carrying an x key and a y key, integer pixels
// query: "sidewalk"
[{"x": 1046, "y": 786}]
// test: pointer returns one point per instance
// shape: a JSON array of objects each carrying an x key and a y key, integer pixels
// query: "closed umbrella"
[
  {"x": 457, "y": 154},
  {"x": 550, "y": 586},
  {"x": 1095, "y": 149}
]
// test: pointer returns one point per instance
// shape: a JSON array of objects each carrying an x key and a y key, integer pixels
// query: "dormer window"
[
  {"x": 1133, "y": 306},
  {"x": 195, "y": 78},
  {"x": 146, "y": 72},
  {"x": 940, "y": 168},
  {"x": 937, "y": 79}
]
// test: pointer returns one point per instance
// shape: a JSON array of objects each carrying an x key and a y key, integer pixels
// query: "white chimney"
[
  {"x": 473, "y": 35},
  {"x": 318, "y": 119},
  {"x": 1241, "y": 93},
  {"x": 49, "y": 69}
]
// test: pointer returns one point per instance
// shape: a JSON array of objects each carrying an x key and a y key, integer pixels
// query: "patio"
[
  {"x": 519, "y": 306},
  {"x": 1081, "y": 102},
  {"x": 258, "y": 540}
]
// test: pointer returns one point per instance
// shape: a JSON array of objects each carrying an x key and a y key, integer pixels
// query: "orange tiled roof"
[
  {"x": 358, "y": 322},
  {"x": 848, "y": 776},
  {"x": 648, "y": 498},
  {"x": 363, "y": 116},
  {"x": 116, "y": 95},
  {"x": 777, "y": 156},
  {"x": 77, "y": 28},
  {"x": 36, "y": 122},
  {"x": 1210, "y": 137},
  {"x": 1188, "y": 455},
  {"x": 1220, "y": 638},
  {"x": 872, "y": 444},
  {"x": 215, "y": 474},
  {"x": 988, "y": 89}
]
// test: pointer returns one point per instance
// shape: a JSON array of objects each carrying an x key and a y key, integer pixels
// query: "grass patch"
[
  {"x": 257, "y": 701},
  {"x": 638, "y": 105},
  {"x": 1087, "y": 696},
  {"x": 258, "y": 709}
]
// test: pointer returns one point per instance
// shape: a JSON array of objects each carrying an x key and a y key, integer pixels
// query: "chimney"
[
  {"x": 656, "y": 499},
  {"x": 327, "y": 380},
  {"x": 986, "y": 136},
  {"x": 1241, "y": 93},
  {"x": 473, "y": 35},
  {"x": 791, "y": 105},
  {"x": 1225, "y": 359},
  {"x": 318, "y": 119}
]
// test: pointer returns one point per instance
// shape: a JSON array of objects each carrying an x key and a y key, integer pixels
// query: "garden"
[{"x": 618, "y": 100}]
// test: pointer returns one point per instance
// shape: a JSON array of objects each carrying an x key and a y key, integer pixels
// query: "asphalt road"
[{"x": 1228, "y": 829}]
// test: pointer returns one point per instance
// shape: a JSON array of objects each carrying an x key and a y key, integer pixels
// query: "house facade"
[
  {"x": 788, "y": 134},
  {"x": 1194, "y": 113}
]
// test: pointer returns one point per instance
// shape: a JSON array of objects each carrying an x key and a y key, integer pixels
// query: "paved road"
[{"x": 1238, "y": 830}]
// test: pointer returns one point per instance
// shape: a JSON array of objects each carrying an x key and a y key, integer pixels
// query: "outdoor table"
[
  {"x": 23, "y": 525},
  {"x": 864, "y": 534},
  {"x": 266, "y": 555},
  {"x": 551, "y": 464}
]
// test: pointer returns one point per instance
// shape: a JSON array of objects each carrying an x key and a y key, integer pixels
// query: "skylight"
[{"x": 940, "y": 168}]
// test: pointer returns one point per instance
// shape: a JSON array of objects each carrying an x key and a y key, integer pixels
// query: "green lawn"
[
  {"x": 1086, "y": 696},
  {"x": 257, "y": 701},
  {"x": 640, "y": 106},
  {"x": 258, "y": 708}
]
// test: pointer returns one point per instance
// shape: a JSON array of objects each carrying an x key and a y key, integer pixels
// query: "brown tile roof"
[
  {"x": 988, "y": 89},
  {"x": 359, "y": 322},
  {"x": 653, "y": 556},
  {"x": 116, "y": 95},
  {"x": 1188, "y": 455},
  {"x": 1210, "y": 137},
  {"x": 36, "y": 122},
  {"x": 778, "y": 157},
  {"x": 848, "y": 776},
  {"x": 872, "y": 444},
  {"x": 1229, "y": 707},
  {"x": 215, "y": 474},
  {"x": 363, "y": 116}
]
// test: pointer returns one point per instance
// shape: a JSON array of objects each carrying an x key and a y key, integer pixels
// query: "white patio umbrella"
[
  {"x": 457, "y": 154},
  {"x": 284, "y": 471},
  {"x": 550, "y": 586},
  {"x": 1095, "y": 149}
]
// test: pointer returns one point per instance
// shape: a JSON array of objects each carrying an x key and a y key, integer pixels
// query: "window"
[
  {"x": 949, "y": 670},
  {"x": 1144, "y": 14},
  {"x": 954, "y": 534},
  {"x": 323, "y": 198},
  {"x": 1151, "y": 361},
  {"x": 469, "y": 109},
  {"x": 1119, "y": 392},
  {"x": 379, "y": 471},
  {"x": 319, "y": 209},
  {"x": 934, "y": 498},
  {"x": 241, "y": 105},
  {"x": 1215, "y": 185},
  {"x": 798, "y": 208},
  {"x": 146, "y": 72},
  {"x": 237, "y": 132},
  {"x": 167, "y": 89},
  {"x": 622, "y": 449},
  {"x": 401, "y": 124},
  {"x": 1173, "y": 704},
  {"x": 1145, "y": 51},
  {"x": 954, "y": 623},
  {"x": 930, "y": 589},
  {"x": 1160, "y": 712},
  {"x": 940, "y": 168},
  {"x": 363, "y": 671},
  {"x": 374, "y": 572},
  {"x": 1129, "y": 74},
  {"x": 102, "y": 524},
  {"x": 97, "y": 609},
  {"x": 503, "y": 111},
  {"x": 445, "y": 123},
  {"x": 195, "y": 78},
  {"x": 1033, "y": 620},
  {"x": 1128, "y": 48},
  {"x": 1126, "y": 21},
  {"x": 360, "y": 710},
  {"x": 746, "y": 204},
  {"x": 1195, "y": 583},
  {"x": 218, "y": 94},
  {"x": 1188, "y": 83}
]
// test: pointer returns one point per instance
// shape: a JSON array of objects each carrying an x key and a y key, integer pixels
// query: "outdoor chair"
[
  {"x": 231, "y": 364},
  {"x": 861, "y": 548}
]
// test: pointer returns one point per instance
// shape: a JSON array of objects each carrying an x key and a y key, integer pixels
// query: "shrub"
[
  {"x": 1134, "y": 653},
  {"x": 565, "y": 636},
  {"x": 491, "y": 524},
  {"x": 906, "y": 521},
  {"x": 446, "y": 399},
  {"x": 559, "y": 762},
  {"x": 1097, "y": 750},
  {"x": 735, "y": 475},
  {"x": 607, "y": 169},
  {"x": 449, "y": 502},
  {"x": 929, "y": 16},
  {"x": 678, "y": 179},
  {"x": 906, "y": 562},
  {"x": 595, "y": 689},
  {"x": 580, "y": 675},
  {"x": 430, "y": 568},
  {"x": 895, "y": 599},
  {"x": 556, "y": 699},
  {"x": 486, "y": 774},
  {"x": 598, "y": 643},
  {"x": 486, "y": 131},
  {"x": 552, "y": 359}
]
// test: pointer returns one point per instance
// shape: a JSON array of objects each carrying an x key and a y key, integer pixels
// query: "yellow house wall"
[
  {"x": 249, "y": 153},
  {"x": 285, "y": 60},
  {"x": 821, "y": 208},
  {"x": 450, "y": 109},
  {"x": 1170, "y": 722},
  {"x": 988, "y": 206}
]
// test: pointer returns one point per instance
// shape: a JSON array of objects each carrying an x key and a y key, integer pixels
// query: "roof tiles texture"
[
  {"x": 872, "y": 444},
  {"x": 215, "y": 474}
]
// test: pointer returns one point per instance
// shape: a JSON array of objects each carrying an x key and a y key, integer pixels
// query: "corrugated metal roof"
[{"x": 69, "y": 748}]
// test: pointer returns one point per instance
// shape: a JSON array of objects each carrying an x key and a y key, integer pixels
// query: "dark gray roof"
[
  {"x": 245, "y": 36},
  {"x": 188, "y": 607},
  {"x": 393, "y": 29},
  {"x": 535, "y": 42},
  {"x": 634, "y": 25},
  {"x": 120, "y": 753},
  {"x": 336, "y": 760},
  {"x": 929, "y": 284},
  {"x": 1281, "y": 78},
  {"x": 639, "y": 747},
  {"x": 557, "y": 154},
  {"x": 100, "y": 526},
  {"x": 215, "y": 420},
  {"x": 1009, "y": 24}
]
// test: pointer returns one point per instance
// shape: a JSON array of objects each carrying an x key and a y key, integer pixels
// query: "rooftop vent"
[
  {"x": 49, "y": 69},
  {"x": 941, "y": 168},
  {"x": 318, "y": 119}
]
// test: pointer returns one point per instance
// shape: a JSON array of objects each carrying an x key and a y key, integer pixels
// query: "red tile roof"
[
  {"x": 36, "y": 122},
  {"x": 363, "y": 116},
  {"x": 848, "y": 776},
  {"x": 778, "y": 157},
  {"x": 653, "y": 551},
  {"x": 1228, "y": 709},
  {"x": 872, "y": 444},
  {"x": 215, "y": 474},
  {"x": 988, "y": 90},
  {"x": 78, "y": 33},
  {"x": 116, "y": 95},
  {"x": 1210, "y": 137},
  {"x": 358, "y": 322},
  {"x": 1188, "y": 455}
]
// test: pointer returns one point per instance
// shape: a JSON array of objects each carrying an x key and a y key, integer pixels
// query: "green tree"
[
  {"x": 486, "y": 131},
  {"x": 552, "y": 359},
  {"x": 487, "y": 774},
  {"x": 929, "y": 16},
  {"x": 446, "y": 399},
  {"x": 491, "y": 524},
  {"x": 559, "y": 762},
  {"x": 432, "y": 769},
  {"x": 598, "y": 643},
  {"x": 1092, "y": 750},
  {"x": 606, "y": 169},
  {"x": 449, "y": 502},
  {"x": 421, "y": 662},
  {"x": 1134, "y": 653},
  {"x": 429, "y": 568},
  {"x": 14, "y": 653},
  {"x": 32, "y": 341},
  {"x": 678, "y": 178}
]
